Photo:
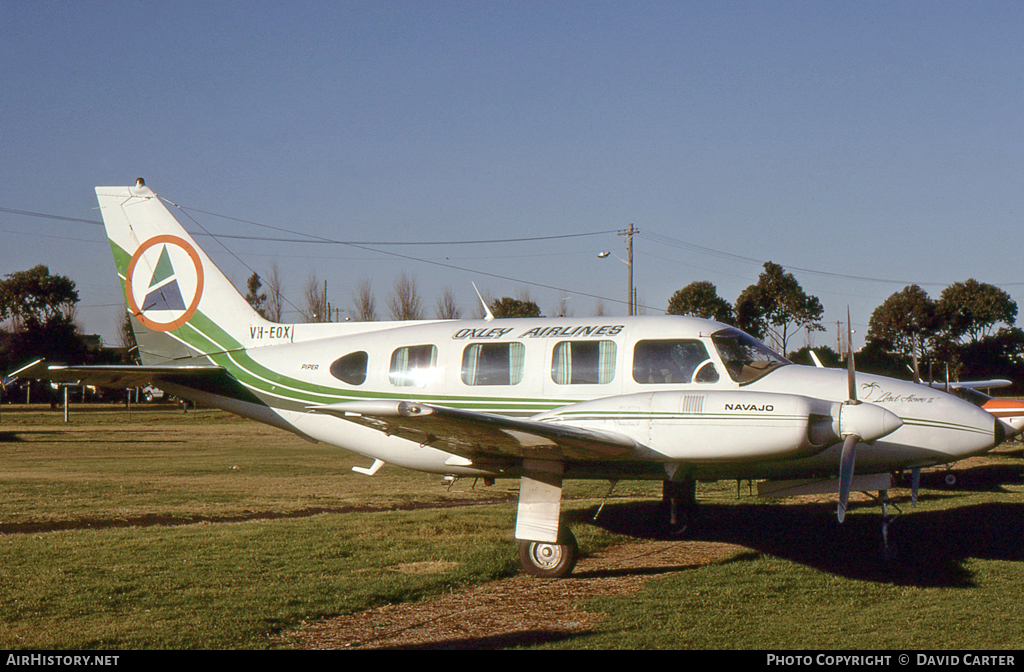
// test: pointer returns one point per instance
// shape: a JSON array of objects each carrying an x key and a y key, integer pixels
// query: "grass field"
[{"x": 177, "y": 530}]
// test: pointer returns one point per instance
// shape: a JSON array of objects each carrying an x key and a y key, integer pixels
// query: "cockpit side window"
[
  {"x": 672, "y": 361},
  {"x": 745, "y": 358},
  {"x": 351, "y": 368}
]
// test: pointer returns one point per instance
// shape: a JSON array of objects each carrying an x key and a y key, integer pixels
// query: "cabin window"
[
  {"x": 583, "y": 362},
  {"x": 673, "y": 361},
  {"x": 493, "y": 363},
  {"x": 351, "y": 368},
  {"x": 413, "y": 366}
]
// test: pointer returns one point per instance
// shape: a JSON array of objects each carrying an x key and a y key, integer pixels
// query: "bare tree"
[
  {"x": 447, "y": 308},
  {"x": 562, "y": 308},
  {"x": 405, "y": 302},
  {"x": 599, "y": 309},
  {"x": 126, "y": 337},
  {"x": 314, "y": 297},
  {"x": 274, "y": 306},
  {"x": 362, "y": 297}
]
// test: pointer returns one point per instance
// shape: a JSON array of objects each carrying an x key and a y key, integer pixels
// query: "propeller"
[{"x": 858, "y": 422}]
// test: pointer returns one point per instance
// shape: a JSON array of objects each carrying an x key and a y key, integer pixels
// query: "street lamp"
[
  {"x": 629, "y": 265},
  {"x": 628, "y": 233}
]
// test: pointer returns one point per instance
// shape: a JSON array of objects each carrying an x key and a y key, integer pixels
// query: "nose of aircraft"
[{"x": 977, "y": 430}]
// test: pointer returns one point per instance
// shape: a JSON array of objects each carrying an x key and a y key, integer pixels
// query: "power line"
[
  {"x": 44, "y": 215},
  {"x": 365, "y": 247},
  {"x": 310, "y": 238},
  {"x": 315, "y": 239},
  {"x": 361, "y": 245},
  {"x": 672, "y": 242}
]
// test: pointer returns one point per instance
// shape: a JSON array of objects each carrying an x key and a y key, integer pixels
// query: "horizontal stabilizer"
[
  {"x": 114, "y": 375},
  {"x": 972, "y": 384}
]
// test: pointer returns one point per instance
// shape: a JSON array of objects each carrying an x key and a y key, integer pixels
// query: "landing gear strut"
[
  {"x": 887, "y": 520},
  {"x": 681, "y": 499}
]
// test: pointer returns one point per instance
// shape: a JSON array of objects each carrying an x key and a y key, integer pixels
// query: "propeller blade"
[
  {"x": 915, "y": 485},
  {"x": 846, "y": 474},
  {"x": 851, "y": 373}
]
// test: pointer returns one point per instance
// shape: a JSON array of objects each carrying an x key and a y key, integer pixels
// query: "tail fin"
[{"x": 180, "y": 303}]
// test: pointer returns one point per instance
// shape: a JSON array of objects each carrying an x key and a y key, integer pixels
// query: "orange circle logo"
[{"x": 164, "y": 282}]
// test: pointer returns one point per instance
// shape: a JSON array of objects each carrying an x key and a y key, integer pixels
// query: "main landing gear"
[
  {"x": 681, "y": 499},
  {"x": 550, "y": 561},
  {"x": 546, "y": 547}
]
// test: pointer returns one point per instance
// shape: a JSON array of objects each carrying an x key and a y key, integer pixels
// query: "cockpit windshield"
[{"x": 745, "y": 358}]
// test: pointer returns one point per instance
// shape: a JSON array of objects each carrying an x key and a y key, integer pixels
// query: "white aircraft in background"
[
  {"x": 674, "y": 399},
  {"x": 1010, "y": 411}
]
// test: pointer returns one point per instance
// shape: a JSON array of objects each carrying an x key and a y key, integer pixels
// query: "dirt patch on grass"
[{"x": 515, "y": 611}]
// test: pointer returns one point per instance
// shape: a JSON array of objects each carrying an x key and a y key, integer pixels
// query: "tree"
[
  {"x": 828, "y": 357},
  {"x": 777, "y": 307},
  {"x": 998, "y": 355},
  {"x": 126, "y": 338},
  {"x": 41, "y": 308},
  {"x": 970, "y": 310},
  {"x": 700, "y": 299},
  {"x": 314, "y": 295},
  {"x": 365, "y": 305},
  {"x": 447, "y": 307},
  {"x": 255, "y": 298},
  {"x": 275, "y": 296},
  {"x": 35, "y": 298},
  {"x": 904, "y": 324},
  {"x": 509, "y": 307},
  {"x": 562, "y": 308},
  {"x": 404, "y": 302}
]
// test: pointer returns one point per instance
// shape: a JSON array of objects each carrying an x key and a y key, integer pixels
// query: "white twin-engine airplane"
[{"x": 675, "y": 399}]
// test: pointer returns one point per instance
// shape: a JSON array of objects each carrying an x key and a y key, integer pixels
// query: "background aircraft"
[{"x": 1010, "y": 411}]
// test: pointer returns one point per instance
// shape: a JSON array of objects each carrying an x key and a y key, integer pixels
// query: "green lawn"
[{"x": 206, "y": 531}]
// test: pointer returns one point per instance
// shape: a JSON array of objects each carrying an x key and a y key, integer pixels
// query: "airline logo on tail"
[{"x": 164, "y": 282}]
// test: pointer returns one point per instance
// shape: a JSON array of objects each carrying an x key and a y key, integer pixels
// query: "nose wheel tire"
[{"x": 546, "y": 560}]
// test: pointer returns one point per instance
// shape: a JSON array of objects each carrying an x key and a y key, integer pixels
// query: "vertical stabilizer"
[{"x": 181, "y": 304}]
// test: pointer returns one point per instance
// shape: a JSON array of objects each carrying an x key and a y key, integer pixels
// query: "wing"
[
  {"x": 482, "y": 435},
  {"x": 972, "y": 384},
  {"x": 114, "y": 375}
]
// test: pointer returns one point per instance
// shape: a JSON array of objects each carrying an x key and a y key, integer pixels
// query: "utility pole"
[{"x": 629, "y": 264}]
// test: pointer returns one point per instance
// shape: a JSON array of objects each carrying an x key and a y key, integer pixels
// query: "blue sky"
[{"x": 867, "y": 144}]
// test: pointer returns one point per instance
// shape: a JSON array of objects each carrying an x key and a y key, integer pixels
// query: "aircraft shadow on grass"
[{"x": 926, "y": 548}]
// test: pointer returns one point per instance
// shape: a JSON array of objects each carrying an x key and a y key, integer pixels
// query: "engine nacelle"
[{"x": 714, "y": 425}]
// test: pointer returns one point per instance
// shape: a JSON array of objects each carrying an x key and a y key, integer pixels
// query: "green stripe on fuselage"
[{"x": 205, "y": 336}]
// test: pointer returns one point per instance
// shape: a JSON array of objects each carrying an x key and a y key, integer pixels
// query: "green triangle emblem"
[{"x": 163, "y": 270}]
